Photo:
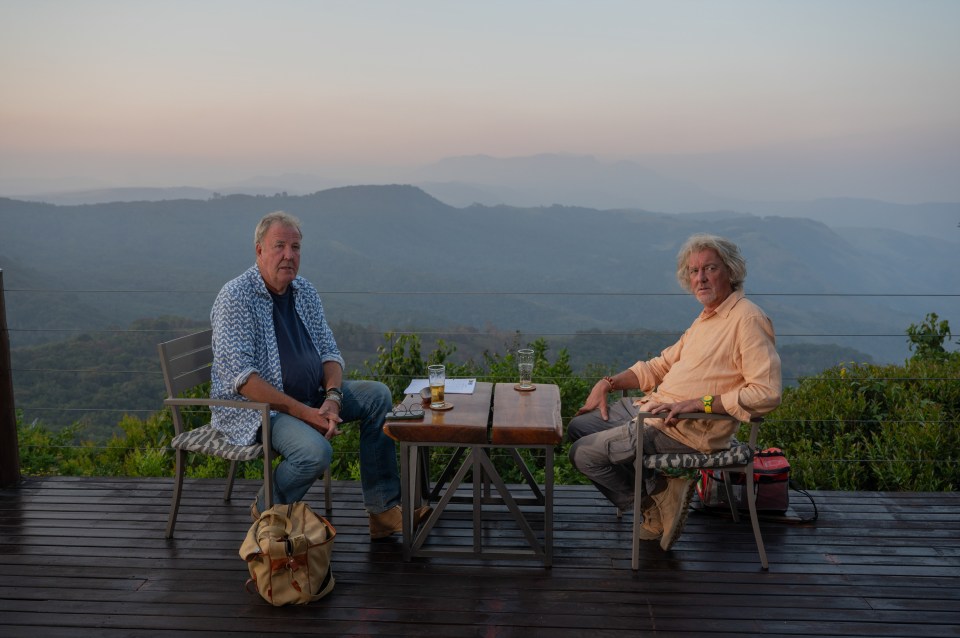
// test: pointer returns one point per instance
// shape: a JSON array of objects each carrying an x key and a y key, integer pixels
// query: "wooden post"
[{"x": 9, "y": 447}]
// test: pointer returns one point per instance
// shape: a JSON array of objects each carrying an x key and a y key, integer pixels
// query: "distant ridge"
[
  {"x": 392, "y": 256},
  {"x": 565, "y": 179},
  {"x": 130, "y": 194},
  {"x": 662, "y": 184},
  {"x": 399, "y": 197}
]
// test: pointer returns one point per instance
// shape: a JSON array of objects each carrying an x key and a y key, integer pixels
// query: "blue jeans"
[{"x": 306, "y": 454}]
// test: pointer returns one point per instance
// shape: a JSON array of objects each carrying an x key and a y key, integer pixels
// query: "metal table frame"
[
  {"x": 474, "y": 457},
  {"x": 487, "y": 487}
]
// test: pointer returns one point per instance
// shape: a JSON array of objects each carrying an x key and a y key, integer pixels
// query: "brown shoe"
[
  {"x": 674, "y": 504},
  {"x": 390, "y": 522},
  {"x": 651, "y": 529}
]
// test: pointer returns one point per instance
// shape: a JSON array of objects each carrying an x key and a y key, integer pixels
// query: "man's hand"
[
  {"x": 327, "y": 419},
  {"x": 669, "y": 411},
  {"x": 597, "y": 399},
  {"x": 324, "y": 419}
]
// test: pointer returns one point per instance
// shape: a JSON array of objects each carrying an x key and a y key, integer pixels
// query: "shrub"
[
  {"x": 851, "y": 427},
  {"x": 870, "y": 427}
]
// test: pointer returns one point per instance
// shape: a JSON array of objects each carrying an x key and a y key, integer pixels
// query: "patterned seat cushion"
[
  {"x": 738, "y": 454},
  {"x": 209, "y": 440}
]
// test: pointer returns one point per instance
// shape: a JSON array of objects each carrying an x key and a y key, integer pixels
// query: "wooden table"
[{"x": 493, "y": 417}]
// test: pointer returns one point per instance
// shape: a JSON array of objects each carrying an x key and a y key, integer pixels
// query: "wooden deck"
[{"x": 87, "y": 557}]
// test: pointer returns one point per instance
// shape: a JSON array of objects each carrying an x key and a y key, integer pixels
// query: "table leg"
[
  {"x": 427, "y": 525},
  {"x": 409, "y": 470},
  {"x": 528, "y": 475},
  {"x": 548, "y": 509},
  {"x": 478, "y": 480},
  {"x": 487, "y": 488},
  {"x": 511, "y": 504},
  {"x": 423, "y": 485},
  {"x": 486, "y": 478},
  {"x": 448, "y": 471}
]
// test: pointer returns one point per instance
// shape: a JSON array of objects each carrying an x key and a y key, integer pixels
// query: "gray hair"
[
  {"x": 276, "y": 217},
  {"x": 727, "y": 251}
]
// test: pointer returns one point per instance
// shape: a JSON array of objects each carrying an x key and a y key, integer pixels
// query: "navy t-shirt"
[{"x": 299, "y": 361}]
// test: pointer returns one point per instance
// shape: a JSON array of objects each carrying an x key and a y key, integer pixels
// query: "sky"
[{"x": 206, "y": 92}]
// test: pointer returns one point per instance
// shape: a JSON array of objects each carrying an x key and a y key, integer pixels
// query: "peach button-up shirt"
[{"x": 729, "y": 353}]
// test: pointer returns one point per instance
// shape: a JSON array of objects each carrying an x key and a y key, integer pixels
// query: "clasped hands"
[{"x": 326, "y": 419}]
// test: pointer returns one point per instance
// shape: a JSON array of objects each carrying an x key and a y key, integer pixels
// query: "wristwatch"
[{"x": 708, "y": 404}]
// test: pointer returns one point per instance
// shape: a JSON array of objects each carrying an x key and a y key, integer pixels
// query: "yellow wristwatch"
[{"x": 708, "y": 404}]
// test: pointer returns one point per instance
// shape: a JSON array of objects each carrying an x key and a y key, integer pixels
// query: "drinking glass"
[
  {"x": 525, "y": 360},
  {"x": 438, "y": 378}
]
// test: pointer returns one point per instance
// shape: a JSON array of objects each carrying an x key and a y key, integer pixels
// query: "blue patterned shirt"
[{"x": 244, "y": 343}]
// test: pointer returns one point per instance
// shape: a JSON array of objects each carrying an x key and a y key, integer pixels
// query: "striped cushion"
[
  {"x": 738, "y": 454},
  {"x": 209, "y": 440}
]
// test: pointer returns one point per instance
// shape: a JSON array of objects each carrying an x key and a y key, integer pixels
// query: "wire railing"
[{"x": 69, "y": 414}]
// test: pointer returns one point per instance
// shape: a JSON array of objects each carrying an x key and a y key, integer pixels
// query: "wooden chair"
[
  {"x": 186, "y": 363},
  {"x": 739, "y": 458}
]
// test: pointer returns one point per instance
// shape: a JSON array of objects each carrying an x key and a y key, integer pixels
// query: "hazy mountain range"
[
  {"x": 393, "y": 257},
  {"x": 669, "y": 184}
]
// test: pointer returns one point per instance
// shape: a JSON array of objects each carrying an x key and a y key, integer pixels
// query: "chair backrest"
[{"x": 186, "y": 361}]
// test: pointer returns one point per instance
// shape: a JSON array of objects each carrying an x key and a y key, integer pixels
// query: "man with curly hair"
[{"x": 725, "y": 363}]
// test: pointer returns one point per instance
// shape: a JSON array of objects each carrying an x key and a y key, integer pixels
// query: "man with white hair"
[{"x": 725, "y": 363}]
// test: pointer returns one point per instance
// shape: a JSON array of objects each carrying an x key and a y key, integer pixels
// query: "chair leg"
[
  {"x": 728, "y": 488},
  {"x": 328, "y": 496},
  {"x": 177, "y": 489},
  {"x": 228, "y": 490},
  {"x": 637, "y": 507},
  {"x": 754, "y": 520}
]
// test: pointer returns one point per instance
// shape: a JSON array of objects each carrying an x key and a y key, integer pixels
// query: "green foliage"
[
  {"x": 43, "y": 452},
  {"x": 106, "y": 373},
  {"x": 855, "y": 426},
  {"x": 400, "y": 361},
  {"x": 346, "y": 459},
  {"x": 926, "y": 340},
  {"x": 94, "y": 374},
  {"x": 143, "y": 449},
  {"x": 869, "y": 427}
]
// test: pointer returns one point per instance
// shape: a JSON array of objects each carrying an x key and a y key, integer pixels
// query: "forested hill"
[
  {"x": 96, "y": 378},
  {"x": 580, "y": 269}
]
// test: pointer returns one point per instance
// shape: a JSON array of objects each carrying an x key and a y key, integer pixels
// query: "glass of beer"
[
  {"x": 525, "y": 361},
  {"x": 438, "y": 378}
]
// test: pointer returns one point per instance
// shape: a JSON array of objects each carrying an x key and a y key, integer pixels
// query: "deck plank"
[{"x": 86, "y": 557}]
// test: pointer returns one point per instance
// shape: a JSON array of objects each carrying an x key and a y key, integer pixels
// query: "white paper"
[{"x": 450, "y": 386}]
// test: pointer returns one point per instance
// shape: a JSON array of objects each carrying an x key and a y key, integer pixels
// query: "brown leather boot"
[
  {"x": 652, "y": 528},
  {"x": 674, "y": 503},
  {"x": 391, "y": 521}
]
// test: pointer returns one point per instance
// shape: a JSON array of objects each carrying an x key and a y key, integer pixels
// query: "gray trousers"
[{"x": 605, "y": 451}]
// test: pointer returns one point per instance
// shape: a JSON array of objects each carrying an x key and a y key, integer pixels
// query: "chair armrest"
[
  {"x": 226, "y": 403},
  {"x": 703, "y": 416},
  {"x": 712, "y": 416}
]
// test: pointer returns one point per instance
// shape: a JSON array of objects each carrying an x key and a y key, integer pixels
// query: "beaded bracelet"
[
  {"x": 610, "y": 381},
  {"x": 335, "y": 395}
]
